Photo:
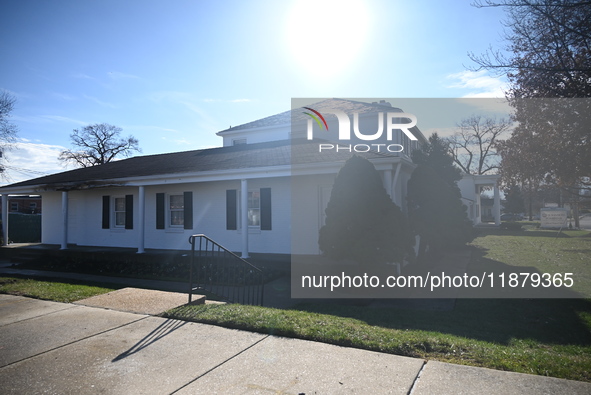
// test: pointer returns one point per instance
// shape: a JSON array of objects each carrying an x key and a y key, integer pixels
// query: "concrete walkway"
[{"x": 59, "y": 348}]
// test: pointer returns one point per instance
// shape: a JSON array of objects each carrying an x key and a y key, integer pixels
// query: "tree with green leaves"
[
  {"x": 514, "y": 202},
  {"x": 436, "y": 154},
  {"x": 435, "y": 207},
  {"x": 362, "y": 222}
]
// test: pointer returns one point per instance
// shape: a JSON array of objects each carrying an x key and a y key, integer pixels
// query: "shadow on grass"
[
  {"x": 549, "y": 321},
  {"x": 531, "y": 233},
  {"x": 525, "y": 314},
  {"x": 579, "y": 250}
]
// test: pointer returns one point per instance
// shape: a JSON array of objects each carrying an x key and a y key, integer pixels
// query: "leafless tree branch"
[{"x": 98, "y": 144}]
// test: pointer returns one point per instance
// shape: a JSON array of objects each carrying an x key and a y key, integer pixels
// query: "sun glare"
[{"x": 325, "y": 36}]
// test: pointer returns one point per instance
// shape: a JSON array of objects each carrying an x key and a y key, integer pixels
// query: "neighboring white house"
[
  {"x": 471, "y": 186},
  {"x": 268, "y": 178}
]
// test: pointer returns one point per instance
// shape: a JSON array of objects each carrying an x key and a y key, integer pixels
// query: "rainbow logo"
[{"x": 316, "y": 118}]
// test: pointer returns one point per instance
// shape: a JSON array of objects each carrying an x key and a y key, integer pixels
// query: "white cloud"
[
  {"x": 478, "y": 83},
  {"x": 441, "y": 132},
  {"x": 209, "y": 100},
  {"x": 31, "y": 160},
  {"x": 148, "y": 129},
  {"x": 60, "y": 118},
  {"x": 44, "y": 119},
  {"x": 100, "y": 102},
  {"x": 82, "y": 76},
  {"x": 187, "y": 100},
  {"x": 116, "y": 75},
  {"x": 63, "y": 96},
  {"x": 181, "y": 141}
]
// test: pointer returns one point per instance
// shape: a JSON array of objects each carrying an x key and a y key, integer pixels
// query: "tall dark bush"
[
  {"x": 362, "y": 222},
  {"x": 435, "y": 207}
]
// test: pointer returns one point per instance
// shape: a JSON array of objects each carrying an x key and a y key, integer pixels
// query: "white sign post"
[{"x": 553, "y": 217}]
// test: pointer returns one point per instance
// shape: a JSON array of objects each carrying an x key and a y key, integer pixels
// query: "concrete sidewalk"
[{"x": 57, "y": 348}]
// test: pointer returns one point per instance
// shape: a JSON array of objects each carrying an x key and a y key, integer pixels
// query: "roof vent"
[{"x": 382, "y": 103}]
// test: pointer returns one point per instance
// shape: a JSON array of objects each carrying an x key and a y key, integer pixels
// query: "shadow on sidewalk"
[{"x": 164, "y": 329}]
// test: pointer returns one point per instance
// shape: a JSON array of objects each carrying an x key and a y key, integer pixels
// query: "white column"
[
  {"x": 478, "y": 217},
  {"x": 64, "y": 245},
  {"x": 395, "y": 186},
  {"x": 141, "y": 219},
  {"x": 497, "y": 205},
  {"x": 388, "y": 183},
  {"x": 244, "y": 216},
  {"x": 5, "y": 218}
]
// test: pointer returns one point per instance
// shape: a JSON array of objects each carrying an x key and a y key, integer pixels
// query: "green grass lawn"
[
  {"x": 49, "y": 290},
  {"x": 540, "y": 336},
  {"x": 547, "y": 251}
]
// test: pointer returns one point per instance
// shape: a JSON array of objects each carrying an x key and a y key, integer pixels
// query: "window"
[
  {"x": 174, "y": 211},
  {"x": 32, "y": 206},
  {"x": 13, "y": 206},
  {"x": 258, "y": 209},
  {"x": 238, "y": 141},
  {"x": 177, "y": 210},
  {"x": 254, "y": 208},
  {"x": 119, "y": 210}
]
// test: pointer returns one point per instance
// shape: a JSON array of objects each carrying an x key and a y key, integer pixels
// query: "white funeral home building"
[{"x": 270, "y": 178}]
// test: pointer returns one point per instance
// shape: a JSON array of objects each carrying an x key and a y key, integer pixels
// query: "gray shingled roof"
[
  {"x": 273, "y": 153},
  {"x": 296, "y": 115}
]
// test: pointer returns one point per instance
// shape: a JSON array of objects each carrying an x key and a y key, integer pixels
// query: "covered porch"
[{"x": 471, "y": 187}]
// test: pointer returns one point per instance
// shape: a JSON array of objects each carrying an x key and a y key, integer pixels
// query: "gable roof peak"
[{"x": 286, "y": 117}]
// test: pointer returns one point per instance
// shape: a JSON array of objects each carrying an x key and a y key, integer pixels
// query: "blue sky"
[{"x": 173, "y": 73}]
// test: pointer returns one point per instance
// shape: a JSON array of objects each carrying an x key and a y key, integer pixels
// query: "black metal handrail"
[{"x": 216, "y": 269}]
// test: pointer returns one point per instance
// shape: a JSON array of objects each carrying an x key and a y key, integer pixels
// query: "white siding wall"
[
  {"x": 89, "y": 204},
  {"x": 310, "y": 194},
  {"x": 258, "y": 135},
  {"x": 294, "y": 226},
  {"x": 209, "y": 217},
  {"x": 467, "y": 188},
  {"x": 402, "y": 189},
  {"x": 51, "y": 219}
]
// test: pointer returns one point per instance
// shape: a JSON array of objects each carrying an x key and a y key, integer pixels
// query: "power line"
[{"x": 26, "y": 171}]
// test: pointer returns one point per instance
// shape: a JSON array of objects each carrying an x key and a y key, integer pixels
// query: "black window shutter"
[
  {"x": 128, "y": 211},
  {"x": 188, "y": 210},
  {"x": 159, "y": 211},
  {"x": 106, "y": 211},
  {"x": 231, "y": 209},
  {"x": 265, "y": 208}
]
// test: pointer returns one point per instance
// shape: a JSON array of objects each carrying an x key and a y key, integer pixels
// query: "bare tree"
[
  {"x": 548, "y": 48},
  {"x": 8, "y": 130},
  {"x": 98, "y": 144},
  {"x": 473, "y": 145}
]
